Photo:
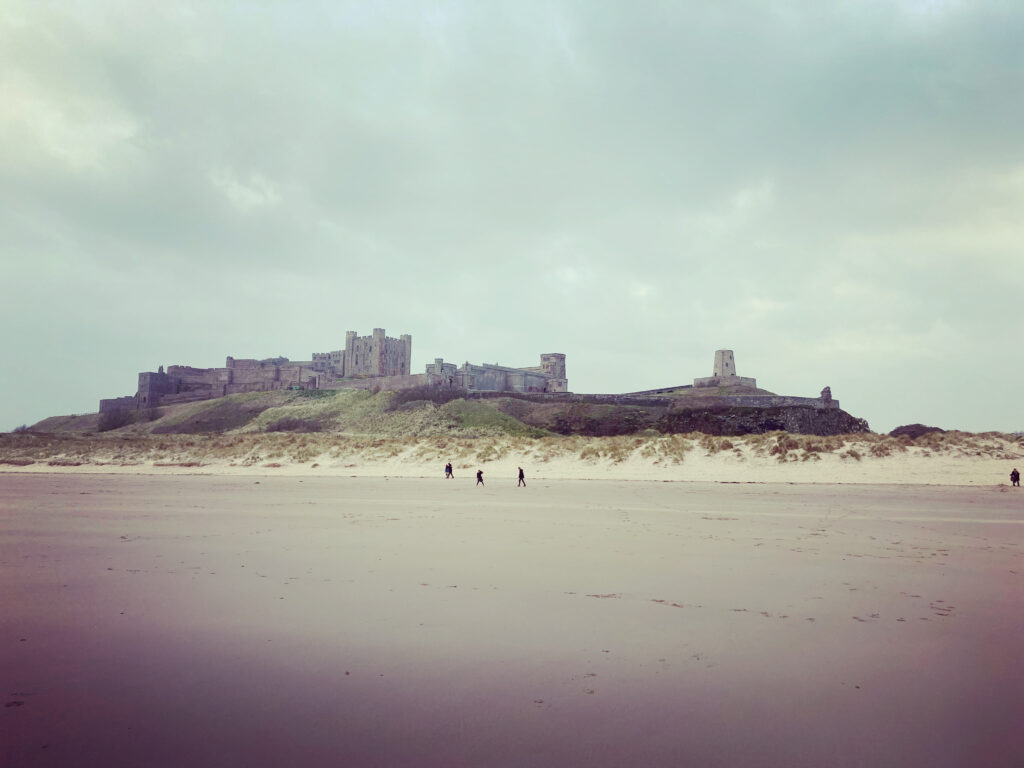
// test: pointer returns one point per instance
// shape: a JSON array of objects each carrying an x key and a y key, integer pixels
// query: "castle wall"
[
  {"x": 557, "y": 385},
  {"x": 725, "y": 381},
  {"x": 126, "y": 403},
  {"x": 482, "y": 378},
  {"x": 772, "y": 401},
  {"x": 246, "y": 375},
  {"x": 237, "y": 376},
  {"x": 193, "y": 378},
  {"x": 497, "y": 378},
  {"x": 188, "y": 397},
  {"x": 388, "y": 383},
  {"x": 254, "y": 374}
]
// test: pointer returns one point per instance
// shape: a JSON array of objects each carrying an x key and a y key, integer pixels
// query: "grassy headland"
[{"x": 349, "y": 427}]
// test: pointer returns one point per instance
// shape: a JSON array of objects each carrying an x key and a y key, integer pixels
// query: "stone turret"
[
  {"x": 725, "y": 364},
  {"x": 553, "y": 364},
  {"x": 724, "y": 373}
]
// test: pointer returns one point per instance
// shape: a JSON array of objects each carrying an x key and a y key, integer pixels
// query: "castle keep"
[
  {"x": 376, "y": 355},
  {"x": 367, "y": 362}
]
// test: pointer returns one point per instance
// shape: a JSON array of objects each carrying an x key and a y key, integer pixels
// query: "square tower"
[{"x": 725, "y": 365}]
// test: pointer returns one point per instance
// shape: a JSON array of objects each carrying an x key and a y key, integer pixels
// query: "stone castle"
[
  {"x": 367, "y": 362},
  {"x": 380, "y": 362}
]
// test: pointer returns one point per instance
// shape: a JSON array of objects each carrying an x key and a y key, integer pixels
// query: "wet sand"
[{"x": 267, "y": 621}]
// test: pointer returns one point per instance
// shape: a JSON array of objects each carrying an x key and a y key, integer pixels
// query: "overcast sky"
[{"x": 833, "y": 190}]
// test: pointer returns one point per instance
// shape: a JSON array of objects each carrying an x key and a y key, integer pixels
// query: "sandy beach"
[{"x": 216, "y": 620}]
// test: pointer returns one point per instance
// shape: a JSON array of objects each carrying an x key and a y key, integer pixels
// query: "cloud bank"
[{"x": 833, "y": 190}]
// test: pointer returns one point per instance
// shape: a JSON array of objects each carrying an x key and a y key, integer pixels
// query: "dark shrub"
[
  {"x": 294, "y": 425},
  {"x": 316, "y": 393},
  {"x": 913, "y": 431},
  {"x": 435, "y": 395}
]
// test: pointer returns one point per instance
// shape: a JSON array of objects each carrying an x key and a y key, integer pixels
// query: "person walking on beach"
[
  {"x": 448, "y": 475},
  {"x": 522, "y": 478},
  {"x": 1015, "y": 477},
  {"x": 480, "y": 477}
]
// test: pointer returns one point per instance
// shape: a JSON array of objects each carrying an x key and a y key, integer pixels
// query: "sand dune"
[{"x": 951, "y": 459}]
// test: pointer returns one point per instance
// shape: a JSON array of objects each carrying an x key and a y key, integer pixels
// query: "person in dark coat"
[
  {"x": 448, "y": 474},
  {"x": 1015, "y": 477},
  {"x": 479, "y": 477},
  {"x": 522, "y": 478}
]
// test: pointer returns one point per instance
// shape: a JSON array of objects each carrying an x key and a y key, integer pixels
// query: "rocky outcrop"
[
  {"x": 803, "y": 420},
  {"x": 605, "y": 416}
]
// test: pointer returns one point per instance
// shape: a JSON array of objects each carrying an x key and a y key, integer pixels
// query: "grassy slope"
[
  {"x": 246, "y": 429},
  {"x": 357, "y": 412}
]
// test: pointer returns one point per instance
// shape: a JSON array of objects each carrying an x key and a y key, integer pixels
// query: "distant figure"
[
  {"x": 479, "y": 477},
  {"x": 1015, "y": 477},
  {"x": 522, "y": 478},
  {"x": 448, "y": 471}
]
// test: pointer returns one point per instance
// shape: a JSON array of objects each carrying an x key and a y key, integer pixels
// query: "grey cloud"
[{"x": 642, "y": 183}]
